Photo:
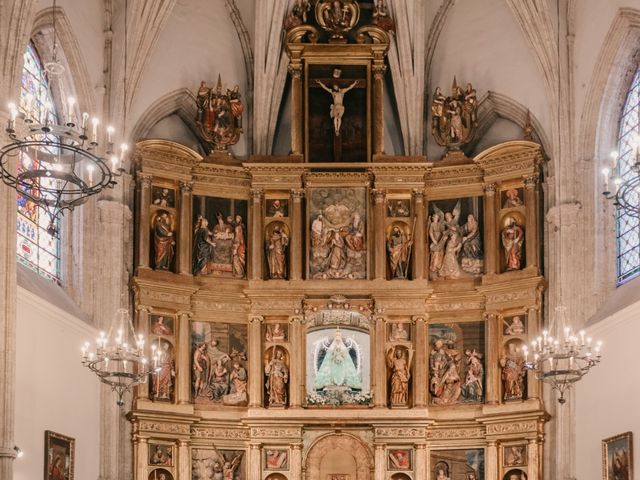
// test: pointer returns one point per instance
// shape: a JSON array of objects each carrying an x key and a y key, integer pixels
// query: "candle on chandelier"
[
  {"x": 616, "y": 184},
  {"x": 123, "y": 150},
  {"x": 94, "y": 131},
  {"x": 114, "y": 162},
  {"x": 110, "y": 131},
  {"x": 614, "y": 159},
  {"x": 70, "y": 110},
  {"x": 85, "y": 118},
  {"x": 13, "y": 111}
]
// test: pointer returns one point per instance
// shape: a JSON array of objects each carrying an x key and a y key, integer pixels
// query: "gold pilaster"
[
  {"x": 490, "y": 229},
  {"x": 144, "y": 212},
  {"x": 184, "y": 460},
  {"x": 533, "y": 459},
  {"x": 256, "y": 374},
  {"x": 491, "y": 460},
  {"x": 493, "y": 358},
  {"x": 418, "y": 235},
  {"x": 296, "y": 363},
  {"x": 183, "y": 372},
  {"x": 296, "y": 461},
  {"x": 420, "y": 364},
  {"x": 184, "y": 239},
  {"x": 295, "y": 70},
  {"x": 296, "y": 252},
  {"x": 142, "y": 321},
  {"x": 420, "y": 467},
  {"x": 379, "y": 70},
  {"x": 140, "y": 454},
  {"x": 379, "y": 365},
  {"x": 531, "y": 209},
  {"x": 380, "y": 255},
  {"x": 257, "y": 247},
  {"x": 380, "y": 458}
]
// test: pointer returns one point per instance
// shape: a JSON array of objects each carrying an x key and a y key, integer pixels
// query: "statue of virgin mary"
[{"x": 337, "y": 368}]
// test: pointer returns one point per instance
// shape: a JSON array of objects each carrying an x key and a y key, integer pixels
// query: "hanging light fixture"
[
  {"x": 625, "y": 194},
  {"x": 58, "y": 166},
  {"x": 118, "y": 358}
]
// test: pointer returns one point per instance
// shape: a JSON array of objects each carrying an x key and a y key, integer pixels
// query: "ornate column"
[
  {"x": 379, "y": 70},
  {"x": 420, "y": 369},
  {"x": 295, "y": 70},
  {"x": 184, "y": 238},
  {"x": 140, "y": 455},
  {"x": 490, "y": 229},
  {"x": 256, "y": 375},
  {"x": 380, "y": 459},
  {"x": 183, "y": 370},
  {"x": 142, "y": 320},
  {"x": 296, "y": 461},
  {"x": 420, "y": 467},
  {"x": 379, "y": 254},
  {"x": 534, "y": 386},
  {"x": 255, "y": 465},
  {"x": 492, "y": 366},
  {"x": 296, "y": 363},
  {"x": 531, "y": 227},
  {"x": 419, "y": 235},
  {"x": 533, "y": 459},
  {"x": 184, "y": 460},
  {"x": 379, "y": 365},
  {"x": 144, "y": 212},
  {"x": 297, "y": 227},
  {"x": 491, "y": 461},
  {"x": 256, "y": 234}
]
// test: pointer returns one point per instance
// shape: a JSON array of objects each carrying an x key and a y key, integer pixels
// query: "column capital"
[
  {"x": 490, "y": 315},
  {"x": 145, "y": 179},
  {"x": 295, "y": 318},
  {"x": 257, "y": 194},
  {"x": 489, "y": 188},
  {"x": 378, "y": 195},
  {"x": 184, "y": 313},
  {"x": 420, "y": 319},
  {"x": 295, "y": 70},
  {"x": 256, "y": 319},
  {"x": 530, "y": 181},
  {"x": 255, "y": 446},
  {"x": 420, "y": 446},
  {"x": 186, "y": 187},
  {"x": 296, "y": 446},
  {"x": 379, "y": 70},
  {"x": 418, "y": 194},
  {"x": 297, "y": 194},
  {"x": 143, "y": 308}
]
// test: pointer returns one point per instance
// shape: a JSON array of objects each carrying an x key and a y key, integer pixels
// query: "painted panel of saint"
[
  {"x": 338, "y": 369},
  {"x": 214, "y": 464},
  {"x": 399, "y": 208},
  {"x": 338, "y": 236},
  {"x": 456, "y": 363},
  {"x": 161, "y": 325},
  {"x": 515, "y": 456},
  {"x": 219, "y": 363},
  {"x": 163, "y": 197},
  {"x": 160, "y": 454},
  {"x": 512, "y": 198},
  {"x": 455, "y": 238},
  {"x": 399, "y": 459},
  {"x": 457, "y": 464},
  {"x": 277, "y": 208},
  {"x": 162, "y": 385},
  {"x": 515, "y": 324},
  {"x": 220, "y": 237}
]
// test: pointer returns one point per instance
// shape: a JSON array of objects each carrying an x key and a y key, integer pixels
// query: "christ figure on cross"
[{"x": 337, "y": 108}]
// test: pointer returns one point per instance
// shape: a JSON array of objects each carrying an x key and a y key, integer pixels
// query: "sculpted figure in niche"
[
  {"x": 337, "y": 368},
  {"x": 277, "y": 244},
  {"x": 203, "y": 246},
  {"x": 445, "y": 382},
  {"x": 201, "y": 367},
  {"x": 437, "y": 241},
  {"x": 473, "y": 387},
  {"x": 337, "y": 107},
  {"x": 219, "y": 381},
  {"x": 277, "y": 379},
  {"x": 512, "y": 241},
  {"x": 163, "y": 380},
  {"x": 513, "y": 372},
  {"x": 472, "y": 256},
  {"x": 163, "y": 242},
  {"x": 450, "y": 267},
  {"x": 399, "y": 250},
  {"x": 238, "y": 386},
  {"x": 399, "y": 364},
  {"x": 239, "y": 248}
]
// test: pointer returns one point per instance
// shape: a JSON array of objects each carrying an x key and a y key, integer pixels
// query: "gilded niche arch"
[{"x": 330, "y": 446}]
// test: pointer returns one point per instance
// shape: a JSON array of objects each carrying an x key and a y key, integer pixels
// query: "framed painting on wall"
[
  {"x": 617, "y": 457},
  {"x": 59, "y": 452}
]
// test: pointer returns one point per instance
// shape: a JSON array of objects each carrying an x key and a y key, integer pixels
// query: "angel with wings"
[
  {"x": 228, "y": 467},
  {"x": 437, "y": 239},
  {"x": 399, "y": 363},
  {"x": 449, "y": 243}
]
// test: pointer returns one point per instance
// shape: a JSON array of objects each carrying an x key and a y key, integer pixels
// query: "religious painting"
[
  {"x": 456, "y": 363},
  {"x": 338, "y": 113},
  {"x": 163, "y": 229},
  {"x": 399, "y": 359},
  {"x": 220, "y": 237},
  {"x": 276, "y": 332},
  {"x": 514, "y": 373},
  {"x": 399, "y": 332},
  {"x": 162, "y": 385},
  {"x": 512, "y": 198},
  {"x": 276, "y": 372},
  {"x": 276, "y": 459},
  {"x": 59, "y": 458},
  {"x": 338, "y": 236},
  {"x": 617, "y": 457},
  {"x": 399, "y": 208},
  {"x": 338, "y": 366},
  {"x": 277, "y": 207},
  {"x": 515, "y": 456},
  {"x": 399, "y": 238},
  {"x": 219, "y": 363},
  {"x": 160, "y": 474},
  {"x": 163, "y": 197},
  {"x": 457, "y": 464},
  {"x": 515, "y": 324},
  {"x": 515, "y": 474},
  {"x": 276, "y": 243},
  {"x": 213, "y": 464},
  {"x": 160, "y": 454},
  {"x": 400, "y": 459},
  {"x": 161, "y": 325},
  {"x": 512, "y": 238},
  {"x": 455, "y": 238}
]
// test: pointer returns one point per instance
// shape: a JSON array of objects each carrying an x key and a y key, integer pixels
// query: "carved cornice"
[
  {"x": 219, "y": 433},
  {"x": 337, "y": 179},
  {"x": 161, "y": 427},
  {"x": 455, "y": 433},
  {"x": 276, "y": 432},
  {"x": 400, "y": 432},
  {"x": 529, "y": 426}
]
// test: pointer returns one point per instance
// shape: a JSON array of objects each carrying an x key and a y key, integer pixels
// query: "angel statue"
[
  {"x": 399, "y": 363},
  {"x": 228, "y": 467},
  {"x": 446, "y": 244},
  {"x": 337, "y": 368},
  {"x": 454, "y": 118}
]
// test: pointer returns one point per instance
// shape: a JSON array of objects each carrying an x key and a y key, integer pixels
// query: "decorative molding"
[
  {"x": 512, "y": 427},
  {"x": 271, "y": 432},
  {"x": 180, "y": 428},
  {"x": 400, "y": 432},
  {"x": 455, "y": 433},
  {"x": 220, "y": 433}
]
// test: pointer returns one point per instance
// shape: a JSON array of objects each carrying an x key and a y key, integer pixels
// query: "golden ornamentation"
[
  {"x": 337, "y": 17},
  {"x": 453, "y": 118}
]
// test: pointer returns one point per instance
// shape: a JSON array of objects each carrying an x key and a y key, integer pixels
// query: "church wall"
[
  {"x": 606, "y": 400},
  {"x": 53, "y": 390},
  {"x": 174, "y": 129}
]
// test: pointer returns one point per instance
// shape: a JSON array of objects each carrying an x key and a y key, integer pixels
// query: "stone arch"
[{"x": 343, "y": 442}]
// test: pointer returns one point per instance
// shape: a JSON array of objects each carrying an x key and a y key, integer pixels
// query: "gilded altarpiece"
[{"x": 338, "y": 313}]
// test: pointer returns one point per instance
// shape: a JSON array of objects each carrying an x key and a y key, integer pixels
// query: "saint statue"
[
  {"x": 400, "y": 366},
  {"x": 203, "y": 246},
  {"x": 513, "y": 373},
  {"x": 238, "y": 384},
  {"x": 239, "y": 249},
  {"x": 472, "y": 256},
  {"x": 437, "y": 239},
  {"x": 337, "y": 368},
  {"x": 512, "y": 241},
  {"x": 277, "y": 244},
  {"x": 399, "y": 251},
  {"x": 337, "y": 107},
  {"x": 445, "y": 382},
  {"x": 473, "y": 387},
  {"x": 164, "y": 378},
  {"x": 201, "y": 367},
  {"x": 277, "y": 378},
  {"x": 163, "y": 242}
]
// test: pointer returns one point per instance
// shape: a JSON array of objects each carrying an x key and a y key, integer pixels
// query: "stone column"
[
  {"x": 420, "y": 363},
  {"x": 492, "y": 367},
  {"x": 296, "y": 363},
  {"x": 490, "y": 229},
  {"x": 183, "y": 370},
  {"x": 184, "y": 460},
  {"x": 257, "y": 245},
  {"x": 379, "y": 253},
  {"x": 254, "y": 467},
  {"x": 295, "y": 70},
  {"x": 296, "y": 251},
  {"x": 533, "y": 460},
  {"x": 184, "y": 237},
  {"x": 531, "y": 227},
  {"x": 380, "y": 458},
  {"x": 256, "y": 375},
  {"x": 491, "y": 461},
  {"x": 420, "y": 467},
  {"x": 419, "y": 235},
  {"x": 144, "y": 214},
  {"x": 143, "y": 329},
  {"x": 140, "y": 455},
  {"x": 296, "y": 461},
  {"x": 534, "y": 386},
  {"x": 379, "y": 365},
  {"x": 378, "y": 110}
]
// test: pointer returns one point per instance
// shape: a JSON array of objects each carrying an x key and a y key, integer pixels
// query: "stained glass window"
[
  {"x": 36, "y": 248},
  {"x": 628, "y": 227}
]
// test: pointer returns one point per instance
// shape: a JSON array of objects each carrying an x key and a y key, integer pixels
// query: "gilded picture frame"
[
  {"x": 617, "y": 457},
  {"x": 59, "y": 456}
]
